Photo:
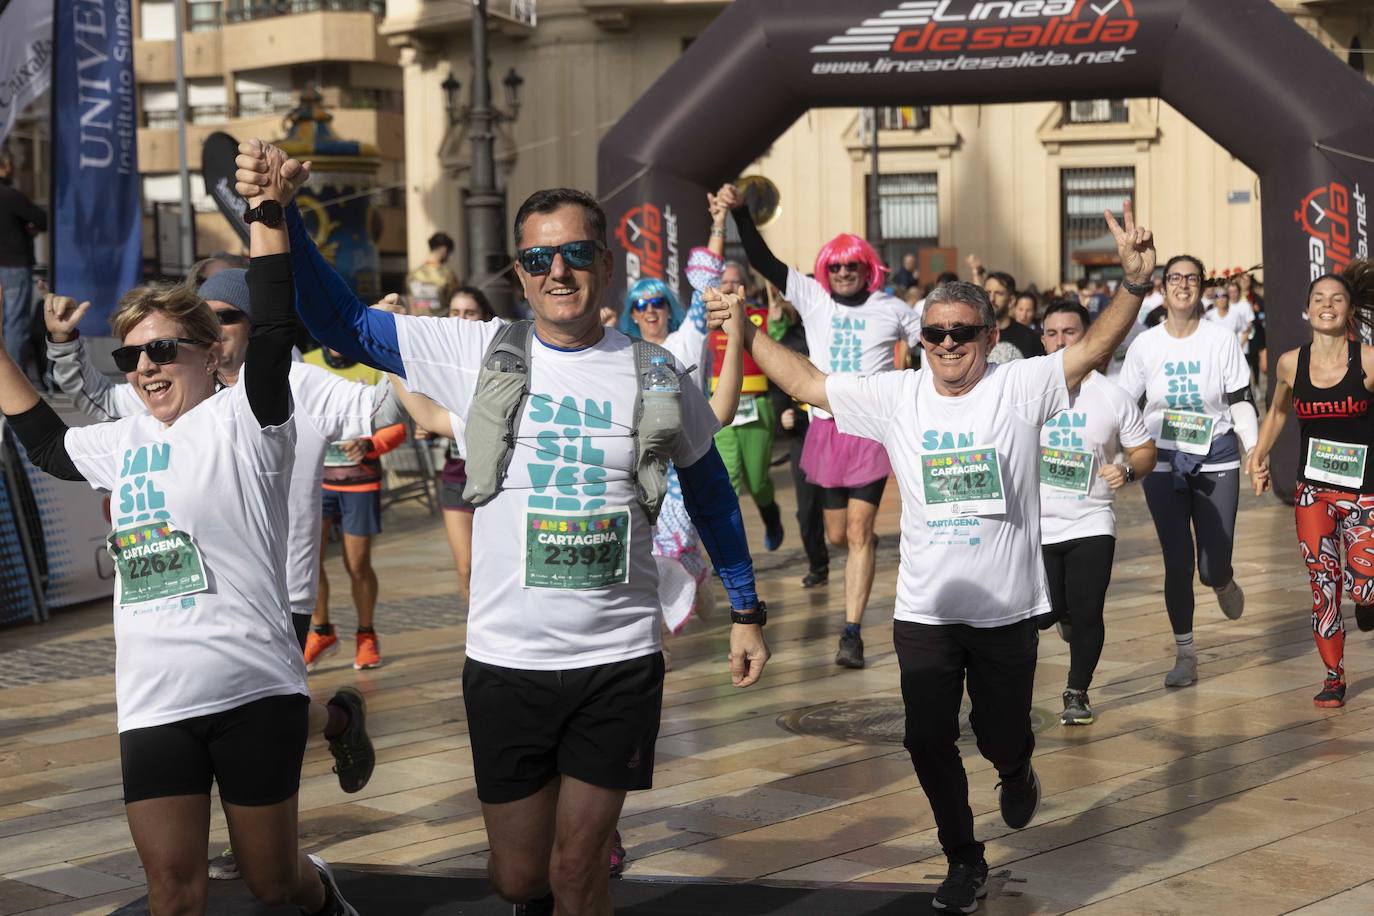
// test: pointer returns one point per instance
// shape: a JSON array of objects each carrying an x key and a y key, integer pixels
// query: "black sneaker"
[
  {"x": 1364, "y": 617},
  {"x": 541, "y": 907},
  {"x": 851, "y": 652},
  {"x": 816, "y": 577},
  {"x": 962, "y": 888},
  {"x": 334, "y": 903},
  {"x": 1076, "y": 708},
  {"x": 354, "y": 757},
  {"x": 1019, "y": 799},
  {"x": 773, "y": 532}
]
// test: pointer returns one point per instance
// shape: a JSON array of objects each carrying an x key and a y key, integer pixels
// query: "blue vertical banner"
[{"x": 97, "y": 223}]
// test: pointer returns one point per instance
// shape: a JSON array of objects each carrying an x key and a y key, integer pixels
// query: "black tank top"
[{"x": 1340, "y": 413}]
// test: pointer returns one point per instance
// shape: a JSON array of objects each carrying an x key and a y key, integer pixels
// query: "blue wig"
[{"x": 648, "y": 288}]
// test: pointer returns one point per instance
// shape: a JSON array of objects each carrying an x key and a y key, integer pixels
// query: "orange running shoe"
[
  {"x": 367, "y": 654},
  {"x": 319, "y": 645}
]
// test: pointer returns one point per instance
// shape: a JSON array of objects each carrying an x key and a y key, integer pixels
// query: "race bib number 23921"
[{"x": 577, "y": 550}]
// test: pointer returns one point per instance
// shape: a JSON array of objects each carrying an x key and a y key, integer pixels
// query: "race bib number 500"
[
  {"x": 1337, "y": 463},
  {"x": 577, "y": 550},
  {"x": 962, "y": 482},
  {"x": 156, "y": 562}
]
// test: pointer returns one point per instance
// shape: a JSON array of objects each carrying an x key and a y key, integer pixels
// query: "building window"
[
  {"x": 1097, "y": 111},
  {"x": 265, "y": 102},
  {"x": 203, "y": 15},
  {"x": 247, "y": 10},
  {"x": 1088, "y": 249},
  {"x": 909, "y": 214},
  {"x": 906, "y": 117}
]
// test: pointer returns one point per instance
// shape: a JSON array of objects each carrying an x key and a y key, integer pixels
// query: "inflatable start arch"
[{"x": 1241, "y": 70}]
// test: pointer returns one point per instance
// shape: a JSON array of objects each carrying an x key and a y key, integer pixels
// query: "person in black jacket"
[
  {"x": 793, "y": 421},
  {"x": 20, "y": 221}
]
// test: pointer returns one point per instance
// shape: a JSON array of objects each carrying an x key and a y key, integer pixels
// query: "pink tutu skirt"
[{"x": 832, "y": 459}]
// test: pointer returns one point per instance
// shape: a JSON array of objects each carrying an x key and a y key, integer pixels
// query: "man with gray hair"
[{"x": 964, "y": 438}]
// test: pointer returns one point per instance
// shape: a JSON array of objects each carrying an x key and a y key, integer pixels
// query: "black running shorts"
[
  {"x": 596, "y": 724},
  {"x": 839, "y": 497},
  {"x": 253, "y": 751}
]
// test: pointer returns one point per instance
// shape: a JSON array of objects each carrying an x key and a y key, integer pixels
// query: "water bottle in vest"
[{"x": 660, "y": 376}]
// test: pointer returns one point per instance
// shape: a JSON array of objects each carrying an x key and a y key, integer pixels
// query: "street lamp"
[
  {"x": 485, "y": 207},
  {"x": 513, "y": 83},
  {"x": 452, "y": 100}
]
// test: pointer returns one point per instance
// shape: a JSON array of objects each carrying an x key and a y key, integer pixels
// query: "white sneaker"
[
  {"x": 331, "y": 889},
  {"x": 1185, "y": 671},
  {"x": 1231, "y": 599}
]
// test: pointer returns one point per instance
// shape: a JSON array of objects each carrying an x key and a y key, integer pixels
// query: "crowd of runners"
[{"x": 591, "y": 497}]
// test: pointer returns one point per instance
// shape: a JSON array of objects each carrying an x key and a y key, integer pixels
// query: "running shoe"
[
  {"x": 224, "y": 867},
  {"x": 354, "y": 756},
  {"x": 367, "y": 654},
  {"x": 334, "y": 903},
  {"x": 851, "y": 652},
  {"x": 1019, "y": 799},
  {"x": 541, "y": 907},
  {"x": 1184, "y": 673},
  {"x": 1076, "y": 708},
  {"x": 1332, "y": 694},
  {"x": 617, "y": 856},
  {"x": 962, "y": 888},
  {"x": 1364, "y": 616},
  {"x": 1231, "y": 599},
  {"x": 773, "y": 532},
  {"x": 816, "y": 577},
  {"x": 319, "y": 646}
]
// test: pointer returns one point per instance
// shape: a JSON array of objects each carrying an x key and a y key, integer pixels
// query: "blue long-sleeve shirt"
[{"x": 341, "y": 321}]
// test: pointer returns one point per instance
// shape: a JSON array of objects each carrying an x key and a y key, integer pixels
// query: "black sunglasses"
[
  {"x": 577, "y": 255},
  {"x": 231, "y": 316},
  {"x": 960, "y": 333},
  {"x": 654, "y": 302},
  {"x": 160, "y": 351},
  {"x": 851, "y": 266}
]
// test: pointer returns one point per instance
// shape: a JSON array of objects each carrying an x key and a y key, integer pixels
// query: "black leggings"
[
  {"x": 1205, "y": 507},
  {"x": 1078, "y": 573}
]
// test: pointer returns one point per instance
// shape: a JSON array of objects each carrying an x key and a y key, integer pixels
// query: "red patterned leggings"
[{"x": 1322, "y": 514}]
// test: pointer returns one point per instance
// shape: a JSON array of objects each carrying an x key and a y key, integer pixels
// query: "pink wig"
[{"x": 844, "y": 248}]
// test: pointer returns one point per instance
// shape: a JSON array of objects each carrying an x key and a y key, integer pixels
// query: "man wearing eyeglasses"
[
  {"x": 964, "y": 438},
  {"x": 564, "y": 675}
]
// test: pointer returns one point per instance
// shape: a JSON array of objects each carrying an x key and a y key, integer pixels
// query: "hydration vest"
[{"x": 493, "y": 422}]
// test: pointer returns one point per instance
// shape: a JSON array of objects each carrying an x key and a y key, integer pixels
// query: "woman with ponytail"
[{"x": 1327, "y": 383}]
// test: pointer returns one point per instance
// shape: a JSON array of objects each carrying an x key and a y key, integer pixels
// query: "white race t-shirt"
[
  {"x": 1236, "y": 320},
  {"x": 221, "y": 479},
  {"x": 328, "y": 408},
  {"x": 574, "y": 455},
  {"x": 1192, "y": 373},
  {"x": 1100, "y": 421},
  {"x": 851, "y": 339},
  {"x": 981, "y": 570}
]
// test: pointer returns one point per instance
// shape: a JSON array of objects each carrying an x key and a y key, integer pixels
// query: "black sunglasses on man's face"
[
  {"x": 538, "y": 259},
  {"x": 959, "y": 333}
]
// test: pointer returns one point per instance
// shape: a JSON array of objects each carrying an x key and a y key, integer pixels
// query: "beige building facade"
[
  {"x": 246, "y": 64},
  {"x": 1021, "y": 185}
]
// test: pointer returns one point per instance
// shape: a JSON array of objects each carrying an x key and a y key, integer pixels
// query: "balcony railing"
[
  {"x": 247, "y": 12},
  {"x": 275, "y": 102}
]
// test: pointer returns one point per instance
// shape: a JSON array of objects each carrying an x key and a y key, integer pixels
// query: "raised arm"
[
  {"x": 37, "y": 426},
  {"x": 755, "y": 248},
  {"x": 725, "y": 399},
  {"x": 790, "y": 371},
  {"x": 92, "y": 392},
  {"x": 267, "y": 365},
  {"x": 330, "y": 310},
  {"x": 1136, "y": 247}
]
